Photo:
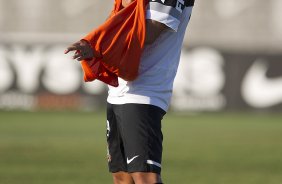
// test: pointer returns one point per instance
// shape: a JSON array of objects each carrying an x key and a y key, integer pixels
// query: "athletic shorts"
[{"x": 134, "y": 138}]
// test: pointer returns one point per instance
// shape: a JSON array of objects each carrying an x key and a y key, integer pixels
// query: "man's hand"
[
  {"x": 82, "y": 50},
  {"x": 125, "y": 3}
]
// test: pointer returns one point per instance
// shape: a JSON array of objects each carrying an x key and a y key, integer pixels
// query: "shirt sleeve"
[{"x": 167, "y": 12}]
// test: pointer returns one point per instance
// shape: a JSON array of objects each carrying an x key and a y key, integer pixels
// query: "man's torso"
[{"x": 159, "y": 60}]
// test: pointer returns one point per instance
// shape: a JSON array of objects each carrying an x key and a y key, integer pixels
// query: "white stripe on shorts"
[{"x": 151, "y": 162}]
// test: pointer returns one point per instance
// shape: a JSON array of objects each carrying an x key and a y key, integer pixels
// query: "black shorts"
[{"x": 134, "y": 138}]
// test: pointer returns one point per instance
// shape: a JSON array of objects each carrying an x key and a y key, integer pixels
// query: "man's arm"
[
  {"x": 153, "y": 30},
  {"x": 84, "y": 50}
]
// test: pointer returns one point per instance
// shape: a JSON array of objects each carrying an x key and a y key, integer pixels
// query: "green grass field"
[{"x": 69, "y": 148}]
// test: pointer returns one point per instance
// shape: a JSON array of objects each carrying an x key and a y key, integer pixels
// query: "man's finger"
[
  {"x": 77, "y": 55},
  {"x": 75, "y": 46},
  {"x": 80, "y": 59},
  {"x": 67, "y": 51},
  {"x": 83, "y": 57},
  {"x": 71, "y": 48}
]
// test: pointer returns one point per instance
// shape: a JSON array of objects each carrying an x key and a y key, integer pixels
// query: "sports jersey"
[{"x": 160, "y": 60}]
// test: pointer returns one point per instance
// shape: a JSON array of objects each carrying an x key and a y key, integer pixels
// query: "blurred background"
[{"x": 225, "y": 117}]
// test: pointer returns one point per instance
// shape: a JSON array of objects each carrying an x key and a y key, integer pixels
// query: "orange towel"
[{"x": 118, "y": 43}]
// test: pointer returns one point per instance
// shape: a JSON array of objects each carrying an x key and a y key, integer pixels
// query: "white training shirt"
[{"x": 159, "y": 61}]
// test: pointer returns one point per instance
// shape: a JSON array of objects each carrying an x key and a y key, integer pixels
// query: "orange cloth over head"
[{"x": 118, "y": 43}]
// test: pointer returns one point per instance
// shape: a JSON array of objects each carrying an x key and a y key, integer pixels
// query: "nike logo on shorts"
[{"x": 128, "y": 161}]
